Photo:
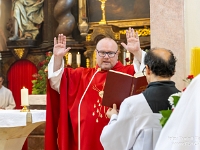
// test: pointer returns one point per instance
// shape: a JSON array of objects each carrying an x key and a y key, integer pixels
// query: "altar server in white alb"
[
  {"x": 182, "y": 130},
  {"x": 6, "y": 98},
  {"x": 137, "y": 124}
]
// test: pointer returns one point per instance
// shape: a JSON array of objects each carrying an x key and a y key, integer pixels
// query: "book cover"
[{"x": 119, "y": 86}]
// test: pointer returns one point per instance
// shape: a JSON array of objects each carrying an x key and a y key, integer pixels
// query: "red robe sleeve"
[
  {"x": 57, "y": 118},
  {"x": 52, "y": 118}
]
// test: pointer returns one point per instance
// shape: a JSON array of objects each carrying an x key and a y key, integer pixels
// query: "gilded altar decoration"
[
  {"x": 122, "y": 24},
  {"x": 141, "y": 32},
  {"x": 103, "y": 20},
  {"x": 68, "y": 59},
  {"x": 87, "y": 63},
  {"x": 117, "y": 36},
  {"x": 19, "y": 52},
  {"x": 88, "y": 37}
]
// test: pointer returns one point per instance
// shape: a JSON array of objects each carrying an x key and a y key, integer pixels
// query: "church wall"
[
  {"x": 192, "y": 28},
  {"x": 168, "y": 31}
]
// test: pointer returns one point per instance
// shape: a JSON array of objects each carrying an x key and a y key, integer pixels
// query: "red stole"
[{"x": 62, "y": 109}]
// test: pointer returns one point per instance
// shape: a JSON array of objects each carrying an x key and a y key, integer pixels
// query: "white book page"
[
  {"x": 138, "y": 74},
  {"x": 121, "y": 73}
]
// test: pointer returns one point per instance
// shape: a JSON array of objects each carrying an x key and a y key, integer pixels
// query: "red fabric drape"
[{"x": 19, "y": 75}]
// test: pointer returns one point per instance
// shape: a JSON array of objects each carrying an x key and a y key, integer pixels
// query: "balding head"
[
  {"x": 105, "y": 42},
  {"x": 161, "y": 62},
  {"x": 109, "y": 48},
  {"x": 162, "y": 53}
]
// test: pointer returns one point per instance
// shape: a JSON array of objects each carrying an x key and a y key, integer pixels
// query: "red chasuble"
[{"x": 62, "y": 109}]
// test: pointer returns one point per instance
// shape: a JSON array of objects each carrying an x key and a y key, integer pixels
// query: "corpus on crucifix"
[{"x": 103, "y": 20}]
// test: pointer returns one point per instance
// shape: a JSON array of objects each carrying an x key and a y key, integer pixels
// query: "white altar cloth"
[
  {"x": 13, "y": 118},
  {"x": 15, "y": 126}
]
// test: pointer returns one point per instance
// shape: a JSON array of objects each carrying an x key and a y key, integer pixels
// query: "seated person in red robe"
[
  {"x": 75, "y": 116},
  {"x": 137, "y": 125}
]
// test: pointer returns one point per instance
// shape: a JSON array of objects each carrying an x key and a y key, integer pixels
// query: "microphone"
[{"x": 79, "y": 108}]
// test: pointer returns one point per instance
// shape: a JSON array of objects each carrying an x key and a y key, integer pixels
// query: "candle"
[
  {"x": 69, "y": 59},
  {"x": 195, "y": 61},
  {"x": 24, "y": 97},
  {"x": 128, "y": 55},
  {"x": 78, "y": 59}
]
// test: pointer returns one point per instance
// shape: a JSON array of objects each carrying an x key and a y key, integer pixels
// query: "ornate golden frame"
[
  {"x": 142, "y": 22},
  {"x": 125, "y": 23}
]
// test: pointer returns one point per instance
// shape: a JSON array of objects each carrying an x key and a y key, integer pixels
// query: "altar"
[{"x": 15, "y": 126}]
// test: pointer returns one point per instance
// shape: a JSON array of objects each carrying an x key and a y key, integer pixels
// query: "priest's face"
[{"x": 107, "y": 53}]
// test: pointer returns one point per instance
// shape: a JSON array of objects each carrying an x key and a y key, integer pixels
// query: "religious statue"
[{"x": 28, "y": 16}]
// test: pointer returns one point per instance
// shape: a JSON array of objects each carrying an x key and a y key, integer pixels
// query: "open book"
[{"x": 119, "y": 86}]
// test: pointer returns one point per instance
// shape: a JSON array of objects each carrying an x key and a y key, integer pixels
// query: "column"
[
  {"x": 66, "y": 20},
  {"x": 175, "y": 26}
]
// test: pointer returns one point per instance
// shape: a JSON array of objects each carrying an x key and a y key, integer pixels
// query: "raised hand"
[
  {"x": 133, "y": 42},
  {"x": 59, "y": 49}
]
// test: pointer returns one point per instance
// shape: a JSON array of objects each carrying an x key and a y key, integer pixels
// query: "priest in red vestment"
[{"x": 75, "y": 116}]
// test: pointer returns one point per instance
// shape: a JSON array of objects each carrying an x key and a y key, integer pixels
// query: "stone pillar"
[
  {"x": 192, "y": 28},
  {"x": 175, "y": 26}
]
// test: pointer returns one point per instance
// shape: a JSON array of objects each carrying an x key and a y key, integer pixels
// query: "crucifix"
[{"x": 103, "y": 20}]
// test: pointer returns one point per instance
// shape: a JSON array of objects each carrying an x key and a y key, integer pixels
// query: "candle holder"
[
  {"x": 87, "y": 63},
  {"x": 25, "y": 109},
  {"x": 66, "y": 57}
]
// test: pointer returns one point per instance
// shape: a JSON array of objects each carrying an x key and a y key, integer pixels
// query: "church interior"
[{"x": 26, "y": 51}]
